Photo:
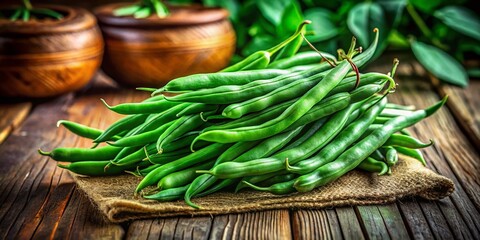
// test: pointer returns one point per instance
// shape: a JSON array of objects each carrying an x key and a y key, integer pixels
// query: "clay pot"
[
  {"x": 151, "y": 51},
  {"x": 43, "y": 58}
]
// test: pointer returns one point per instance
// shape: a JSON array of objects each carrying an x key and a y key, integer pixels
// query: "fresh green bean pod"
[
  {"x": 82, "y": 154},
  {"x": 199, "y": 156},
  {"x": 340, "y": 143},
  {"x": 97, "y": 168},
  {"x": 212, "y": 80},
  {"x": 152, "y": 106},
  {"x": 391, "y": 156},
  {"x": 277, "y": 188},
  {"x": 82, "y": 130},
  {"x": 401, "y": 140},
  {"x": 292, "y": 113},
  {"x": 302, "y": 58},
  {"x": 277, "y": 162},
  {"x": 352, "y": 157},
  {"x": 372, "y": 165},
  {"x": 127, "y": 122},
  {"x": 183, "y": 177},
  {"x": 413, "y": 153},
  {"x": 170, "y": 194},
  {"x": 142, "y": 138}
]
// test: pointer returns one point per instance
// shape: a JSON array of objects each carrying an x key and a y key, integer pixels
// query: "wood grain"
[
  {"x": 12, "y": 115},
  {"x": 464, "y": 105},
  {"x": 255, "y": 225},
  {"x": 149, "y": 52},
  {"x": 171, "y": 228},
  {"x": 51, "y": 58},
  {"x": 316, "y": 224}
]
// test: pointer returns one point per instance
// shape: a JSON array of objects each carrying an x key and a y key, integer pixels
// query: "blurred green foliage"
[{"x": 440, "y": 33}]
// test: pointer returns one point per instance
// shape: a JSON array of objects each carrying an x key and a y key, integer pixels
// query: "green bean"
[
  {"x": 292, "y": 113},
  {"x": 179, "y": 127},
  {"x": 227, "y": 94},
  {"x": 388, "y": 112},
  {"x": 96, "y": 168},
  {"x": 142, "y": 107},
  {"x": 406, "y": 141},
  {"x": 82, "y": 154},
  {"x": 277, "y": 188},
  {"x": 372, "y": 165},
  {"x": 154, "y": 121},
  {"x": 261, "y": 59},
  {"x": 16, "y": 14},
  {"x": 352, "y": 157},
  {"x": 400, "y": 107},
  {"x": 254, "y": 118},
  {"x": 259, "y": 178},
  {"x": 82, "y": 130},
  {"x": 163, "y": 158},
  {"x": 211, "y": 80},
  {"x": 310, "y": 129},
  {"x": 196, "y": 108},
  {"x": 127, "y": 122},
  {"x": 277, "y": 179},
  {"x": 413, "y": 153},
  {"x": 245, "y": 151},
  {"x": 284, "y": 93},
  {"x": 391, "y": 156},
  {"x": 303, "y": 58},
  {"x": 277, "y": 162},
  {"x": 340, "y": 143},
  {"x": 183, "y": 177},
  {"x": 136, "y": 156},
  {"x": 199, "y": 156},
  {"x": 236, "y": 150},
  {"x": 197, "y": 186},
  {"x": 142, "y": 138},
  {"x": 170, "y": 194}
]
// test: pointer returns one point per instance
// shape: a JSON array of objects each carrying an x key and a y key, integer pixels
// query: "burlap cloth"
[{"x": 114, "y": 195}]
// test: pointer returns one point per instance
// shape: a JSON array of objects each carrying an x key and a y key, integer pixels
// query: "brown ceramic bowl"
[
  {"x": 151, "y": 51},
  {"x": 44, "y": 58}
]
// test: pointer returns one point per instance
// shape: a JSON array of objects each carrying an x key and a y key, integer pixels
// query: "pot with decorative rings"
[
  {"x": 45, "y": 58},
  {"x": 149, "y": 52}
]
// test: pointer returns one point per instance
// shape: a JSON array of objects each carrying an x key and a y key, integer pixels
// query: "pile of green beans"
[{"x": 285, "y": 126}]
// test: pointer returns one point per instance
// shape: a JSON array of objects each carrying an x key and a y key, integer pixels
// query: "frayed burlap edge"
[{"x": 113, "y": 196}]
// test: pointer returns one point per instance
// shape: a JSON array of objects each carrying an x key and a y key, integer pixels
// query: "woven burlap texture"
[{"x": 114, "y": 195}]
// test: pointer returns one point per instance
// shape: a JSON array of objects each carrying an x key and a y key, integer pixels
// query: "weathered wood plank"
[
  {"x": 254, "y": 225},
  {"x": 382, "y": 222},
  {"x": 415, "y": 221},
  {"x": 12, "y": 114},
  {"x": 40, "y": 199},
  {"x": 465, "y": 106},
  {"x": 316, "y": 224},
  {"x": 452, "y": 156},
  {"x": 171, "y": 228},
  {"x": 349, "y": 223}
]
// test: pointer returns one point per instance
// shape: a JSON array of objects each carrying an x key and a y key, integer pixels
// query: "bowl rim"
[
  {"x": 181, "y": 15},
  {"x": 76, "y": 19}
]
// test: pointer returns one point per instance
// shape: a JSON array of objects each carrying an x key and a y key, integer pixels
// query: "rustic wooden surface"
[{"x": 40, "y": 201}]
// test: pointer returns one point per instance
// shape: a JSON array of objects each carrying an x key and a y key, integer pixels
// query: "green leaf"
[
  {"x": 260, "y": 42},
  {"x": 426, "y": 5},
  {"x": 232, "y": 6},
  {"x": 474, "y": 72},
  {"x": 290, "y": 19},
  {"x": 397, "y": 39},
  {"x": 440, "y": 64},
  {"x": 460, "y": 19},
  {"x": 322, "y": 25},
  {"x": 393, "y": 9},
  {"x": 361, "y": 21},
  {"x": 272, "y": 10}
]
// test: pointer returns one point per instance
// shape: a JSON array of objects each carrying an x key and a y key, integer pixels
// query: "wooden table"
[{"x": 40, "y": 201}]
